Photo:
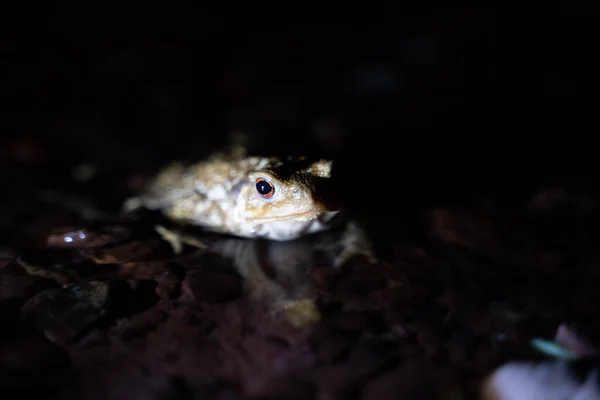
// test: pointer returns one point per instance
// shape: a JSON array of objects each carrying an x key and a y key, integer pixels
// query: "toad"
[
  {"x": 245, "y": 196},
  {"x": 282, "y": 200}
]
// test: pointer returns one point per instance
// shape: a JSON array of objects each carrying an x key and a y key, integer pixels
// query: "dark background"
[{"x": 426, "y": 107}]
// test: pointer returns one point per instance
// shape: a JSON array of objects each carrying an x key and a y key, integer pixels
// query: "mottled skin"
[{"x": 221, "y": 195}]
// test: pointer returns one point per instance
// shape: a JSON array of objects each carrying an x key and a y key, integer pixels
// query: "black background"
[{"x": 477, "y": 100}]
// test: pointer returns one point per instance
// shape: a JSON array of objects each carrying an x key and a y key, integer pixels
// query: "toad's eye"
[{"x": 264, "y": 188}]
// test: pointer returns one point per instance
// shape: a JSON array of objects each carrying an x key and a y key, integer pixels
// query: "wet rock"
[
  {"x": 62, "y": 314},
  {"x": 82, "y": 238}
]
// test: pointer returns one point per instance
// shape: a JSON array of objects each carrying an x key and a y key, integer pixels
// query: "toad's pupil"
[{"x": 263, "y": 187}]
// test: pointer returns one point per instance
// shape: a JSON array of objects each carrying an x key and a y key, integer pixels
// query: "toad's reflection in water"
[{"x": 277, "y": 274}]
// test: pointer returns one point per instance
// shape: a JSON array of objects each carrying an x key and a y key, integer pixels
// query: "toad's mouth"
[
  {"x": 307, "y": 215},
  {"x": 303, "y": 216}
]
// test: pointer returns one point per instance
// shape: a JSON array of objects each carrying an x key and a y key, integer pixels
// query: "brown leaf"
[{"x": 135, "y": 250}]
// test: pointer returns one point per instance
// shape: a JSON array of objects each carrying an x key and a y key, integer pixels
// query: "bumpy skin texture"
[{"x": 221, "y": 195}]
